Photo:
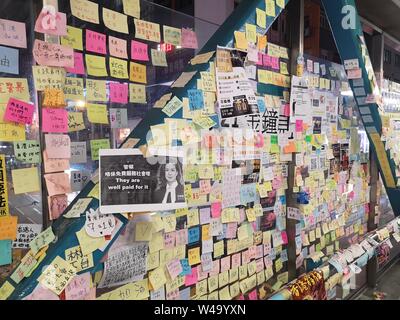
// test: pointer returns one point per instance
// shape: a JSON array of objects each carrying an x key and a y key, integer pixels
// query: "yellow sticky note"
[
  {"x": 6, "y": 290},
  {"x": 270, "y": 7},
  {"x": 137, "y": 93},
  {"x": 97, "y": 113},
  {"x": 169, "y": 223},
  {"x": 75, "y": 121},
  {"x": 157, "y": 278},
  {"x": 138, "y": 73},
  {"x": 118, "y": 68},
  {"x": 280, "y": 3},
  {"x": 193, "y": 217},
  {"x": 25, "y": 180},
  {"x": 132, "y": 8},
  {"x": 115, "y": 21},
  {"x": 12, "y": 132},
  {"x": 138, "y": 290},
  {"x": 96, "y": 65},
  {"x": 250, "y": 213},
  {"x": 95, "y": 192},
  {"x": 85, "y": 10},
  {"x": 251, "y": 33},
  {"x": 153, "y": 260},
  {"x": 172, "y": 35},
  {"x": 261, "y": 18},
  {"x": 261, "y": 42},
  {"x": 73, "y": 38},
  {"x": 157, "y": 222},
  {"x": 143, "y": 231},
  {"x": 96, "y": 90},
  {"x": 206, "y": 172},
  {"x": 241, "y": 41},
  {"x": 73, "y": 88},
  {"x": 194, "y": 256},
  {"x": 224, "y": 294},
  {"x": 47, "y": 77},
  {"x": 146, "y": 30},
  {"x": 218, "y": 249},
  {"x": 87, "y": 243},
  {"x": 156, "y": 243},
  {"x": 78, "y": 260}
]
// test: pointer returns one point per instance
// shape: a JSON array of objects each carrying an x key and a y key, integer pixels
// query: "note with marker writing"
[
  {"x": 10, "y": 60},
  {"x": 85, "y": 10},
  {"x": 13, "y": 33},
  {"x": 96, "y": 65},
  {"x": 132, "y": 8},
  {"x": 57, "y": 183},
  {"x": 73, "y": 39},
  {"x": 8, "y": 227},
  {"x": 97, "y": 113},
  {"x": 55, "y": 120},
  {"x": 117, "y": 47},
  {"x": 19, "y": 111},
  {"x": 115, "y": 20}
]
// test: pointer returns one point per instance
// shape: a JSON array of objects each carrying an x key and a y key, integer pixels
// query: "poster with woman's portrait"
[{"x": 130, "y": 182}]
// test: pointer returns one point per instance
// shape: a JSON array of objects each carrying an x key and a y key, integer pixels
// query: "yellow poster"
[
  {"x": 85, "y": 10},
  {"x": 73, "y": 38},
  {"x": 96, "y": 66},
  {"x": 96, "y": 90},
  {"x": 4, "y": 210},
  {"x": 132, "y": 8},
  {"x": 172, "y": 35},
  {"x": 97, "y": 113},
  {"x": 118, "y": 68},
  {"x": 115, "y": 21},
  {"x": 137, "y": 93},
  {"x": 146, "y": 30},
  {"x": 12, "y": 132},
  {"x": 25, "y": 180},
  {"x": 138, "y": 73}
]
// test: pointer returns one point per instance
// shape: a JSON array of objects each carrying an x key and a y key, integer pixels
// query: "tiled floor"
[{"x": 388, "y": 284}]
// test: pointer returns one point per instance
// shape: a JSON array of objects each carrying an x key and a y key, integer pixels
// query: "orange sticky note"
[
  {"x": 290, "y": 148},
  {"x": 8, "y": 228}
]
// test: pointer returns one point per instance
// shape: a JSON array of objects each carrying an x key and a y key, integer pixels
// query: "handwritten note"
[
  {"x": 119, "y": 118},
  {"x": 96, "y": 65},
  {"x": 57, "y": 183},
  {"x": 78, "y": 64},
  {"x": 53, "y": 98},
  {"x": 27, "y": 151},
  {"x": 79, "y": 287},
  {"x": 189, "y": 39},
  {"x": 78, "y": 208},
  {"x": 96, "y": 145},
  {"x": 13, "y": 33},
  {"x": 115, "y": 21},
  {"x": 119, "y": 92},
  {"x": 132, "y": 8},
  {"x": 58, "y": 145},
  {"x": 89, "y": 244},
  {"x": 9, "y": 60},
  {"x": 8, "y": 227},
  {"x": 138, "y": 73},
  {"x": 78, "y": 152},
  {"x": 172, "y": 35},
  {"x": 99, "y": 225},
  {"x": 55, "y": 120},
  {"x": 137, "y": 93},
  {"x": 25, "y": 180},
  {"x": 196, "y": 99},
  {"x": 19, "y": 111},
  {"x": 95, "y": 42},
  {"x": 53, "y": 55},
  {"x": 85, "y": 10},
  {"x": 172, "y": 106},
  {"x": 117, "y": 47},
  {"x": 97, "y": 113},
  {"x": 159, "y": 58},
  {"x": 96, "y": 90},
  {"x": 75, "y": 121},
  {"x": 73, "y": 39},
  {"x": 48, "y": 77},
  {"x": 146, "y": 30},
  {"x": 41, "y": 240},
  {"x": 118, "y": 68}
]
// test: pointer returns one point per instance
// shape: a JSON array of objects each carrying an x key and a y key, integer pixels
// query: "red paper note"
[
  {"x": 78, "y": 64},
  {"x": 55, "y": 120},
  {"x": 95, "y": 42},
  {"x": 139, "y": 51},
  {"x": 119, "y": 92},
  {"x": 19, "y": 111}
]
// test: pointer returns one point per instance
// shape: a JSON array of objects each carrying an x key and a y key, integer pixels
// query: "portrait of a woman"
[{"x": 169, "y": 187}]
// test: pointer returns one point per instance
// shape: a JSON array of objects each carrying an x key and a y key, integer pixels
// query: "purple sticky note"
[
  {"x": 95, "y": 42},
  {"x": 119, "y": 92},
  {"x": 78, "y": 68},
  {"x": 139, "y": 51}
]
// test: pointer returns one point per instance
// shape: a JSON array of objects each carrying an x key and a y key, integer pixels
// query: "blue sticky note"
[
  {"x": 184, "y": 294},
  {"x": 196, "y": 99},
  {"x": 194, "y": 235},
  {"x": 9, "y": 60},
  {"x": 261, "y": 105},
  {"x": 248, "y": 193},
  {"x": 5, "y": 252},
  {"x": 186, "y": 269}
]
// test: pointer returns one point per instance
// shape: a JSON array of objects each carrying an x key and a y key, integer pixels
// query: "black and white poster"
[{"x": 130, "y": 182}]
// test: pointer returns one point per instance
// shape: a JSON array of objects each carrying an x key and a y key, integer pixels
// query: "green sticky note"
[
  {"x": 318, "y": 247},
  {"x": 27, "y": 151},
  {"x": 327, "y": 238},
  {"x": 5, "y": 252},
  {"x": 274, "y": 139},
  {"x": 96, "y": 145},
  {"x": 308, "y": 138}
]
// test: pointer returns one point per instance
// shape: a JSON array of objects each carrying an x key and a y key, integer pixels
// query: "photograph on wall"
[{"x": 130, "y": 182}]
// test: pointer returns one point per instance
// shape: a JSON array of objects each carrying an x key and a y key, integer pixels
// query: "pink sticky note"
[
  {"x": 191, "y": 278},
  {"x": 266, "y": 60},
  {"x": 58, "y": 146},
  {"x": 139, "y": 51},
  {"x": 231, "y": 230},
  {"x": 95, "y": 42},
  {"x": 299, "y": 125},
  {"x": 169, "y": 240},
  {"x": 54, "y": 24},
  {"x": 54, "y": 55},
  {"x": 286, "y": 110},
  {"x": 78, "y": 68},
  {"x": 253, "y": 295},
  {"x": 189, "y": 39},
  {"x": 366, "y": 207},
  {"x": 119, "y": 92},
  {"x": 42, "y": 293},
  {"x": 117, "y": 47},
  {"x": 216, "y": 208},
  {"x": 225, "y": 263},
  {"x": 275, "y": 63},
  {"x": 260, "y": 59},
  {"x": 12, "y": 33},
  {"x": 241, "y": 297},
  {"x": 19, "y": 111},
  {"x": 236, "y": 260},
  {"x": 55, "y": 120},
  {"x": 78, "y": 288},
  {"x": 284, "y": 237}
]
